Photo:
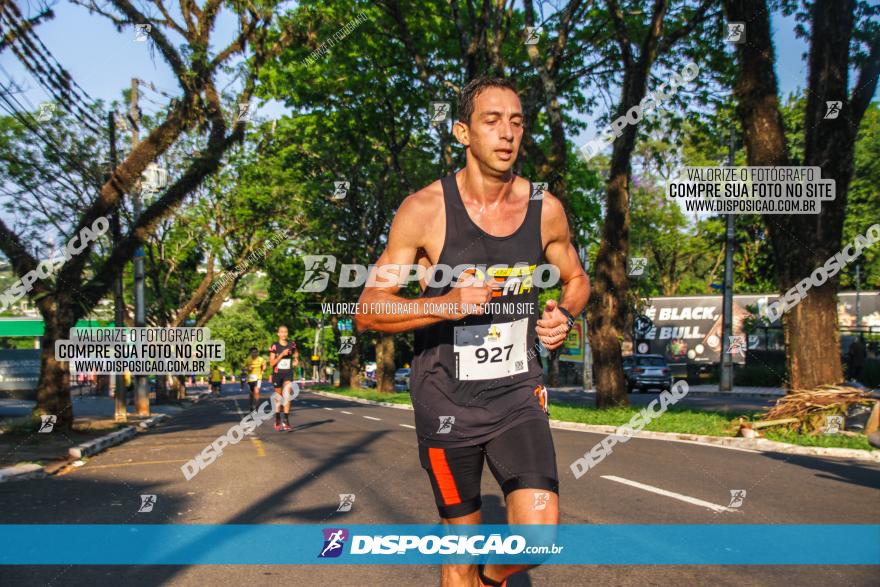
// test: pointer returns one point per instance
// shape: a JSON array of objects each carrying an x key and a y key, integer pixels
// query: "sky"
[{"x": 103, "y": 60}]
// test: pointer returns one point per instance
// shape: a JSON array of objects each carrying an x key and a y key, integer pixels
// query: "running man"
[
  {"x": 476, "y": 382},
  {"x": 281, "y": 355},
  {"x": 255, "y": 365},
  {"x": 216, "y": 380}
]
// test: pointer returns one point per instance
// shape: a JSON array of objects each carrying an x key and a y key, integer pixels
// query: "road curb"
[
  {"x": 360, "y": 400},
  {"x": 22, "y": 472},
  {"x": 97, "y": 445},
  {"x": 718, "y": 394},
  {"x": 726, "y": 395},
  {"x": 150, "y": 422},
  {"x": 200, "y": 397},
  {"x": 756, "y": 444}
]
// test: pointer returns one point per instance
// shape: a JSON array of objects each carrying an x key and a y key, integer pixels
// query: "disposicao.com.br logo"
[
  {"x": 430, "y": 544},
  {"x": 515, "y": 279}
]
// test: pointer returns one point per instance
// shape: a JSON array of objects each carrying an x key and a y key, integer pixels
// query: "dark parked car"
[{"x": 645, "y": 372}]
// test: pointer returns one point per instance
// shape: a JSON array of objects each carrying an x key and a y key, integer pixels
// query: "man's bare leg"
[
  {"x": 521, "y": 510},
  {"x": 460, "y": 575}
]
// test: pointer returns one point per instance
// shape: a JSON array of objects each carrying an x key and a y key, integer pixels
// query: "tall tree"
[
  {"x": 639, "y": 40},
  {"x": 71, "y": 294},
  {"x": 844, "y": 34},
  {"x": 375, "y": 102}
]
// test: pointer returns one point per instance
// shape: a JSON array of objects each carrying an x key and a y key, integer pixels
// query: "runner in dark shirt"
[
  {"x": 476, "y": 382},
  {"x": 281, "y": 361}
]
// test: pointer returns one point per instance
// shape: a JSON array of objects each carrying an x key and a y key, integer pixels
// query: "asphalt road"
[{"x": 339, "y": 446}]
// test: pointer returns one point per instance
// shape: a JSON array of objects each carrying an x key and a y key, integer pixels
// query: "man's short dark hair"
[
  {"x": 473, "y": 88},
  {"x": 253, "y": 348}
]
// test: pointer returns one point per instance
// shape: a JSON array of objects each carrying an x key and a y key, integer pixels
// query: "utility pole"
[
  {"x": 726, "y": 380},
  {"x": 121, "y": 412},
  {"x": 587, "y": 375},
  {"x": 142, "y": 397},
  {"x": 858, "y": 300}
]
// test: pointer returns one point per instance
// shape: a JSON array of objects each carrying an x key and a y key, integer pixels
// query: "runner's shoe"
[
  {"x": 277, "y": 426},
  {"x": 285, "y": 426}
]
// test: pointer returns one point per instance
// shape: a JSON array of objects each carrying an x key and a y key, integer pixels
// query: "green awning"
[{"x": 34, "y": 326}]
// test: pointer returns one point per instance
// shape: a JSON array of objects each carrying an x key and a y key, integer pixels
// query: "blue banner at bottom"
[{"x": 686, "y": 544}]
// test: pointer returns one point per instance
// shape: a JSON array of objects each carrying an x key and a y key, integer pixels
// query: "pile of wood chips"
[{"x": 807, "y": 409}]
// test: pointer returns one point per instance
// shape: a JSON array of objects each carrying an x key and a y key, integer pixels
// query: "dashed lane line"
[
  {"x": 408, "y": 426},
  {"x": 372, "y": 418}
]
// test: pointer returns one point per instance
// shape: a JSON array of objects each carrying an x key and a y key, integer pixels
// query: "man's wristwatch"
[{"x": 568, "y": 315}]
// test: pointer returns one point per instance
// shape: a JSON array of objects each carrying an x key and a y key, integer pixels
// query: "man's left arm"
[{"x": 558, "y": 316}]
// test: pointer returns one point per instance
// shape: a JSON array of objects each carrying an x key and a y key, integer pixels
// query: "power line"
[
  {"x": 46, "y": 69},
  {"x": 18, "y": 112}
]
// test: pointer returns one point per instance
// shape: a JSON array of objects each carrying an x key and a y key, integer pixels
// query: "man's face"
[
  {"x": 495, "y": 129},
  {"x": 254, "y": 353},
  {"x": 282, "y": 332}
]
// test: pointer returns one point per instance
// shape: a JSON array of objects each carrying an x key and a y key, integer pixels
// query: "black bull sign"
[{"x": 688, "y": 328}]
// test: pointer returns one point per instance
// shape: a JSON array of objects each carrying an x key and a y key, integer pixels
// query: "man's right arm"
[{"x": 382, "y": 308}]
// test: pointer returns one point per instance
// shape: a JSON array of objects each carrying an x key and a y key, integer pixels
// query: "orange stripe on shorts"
[{"x": 445, "y": 481}]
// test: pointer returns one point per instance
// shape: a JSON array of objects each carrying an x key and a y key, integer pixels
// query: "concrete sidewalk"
[{"x": 26, "y": 455}]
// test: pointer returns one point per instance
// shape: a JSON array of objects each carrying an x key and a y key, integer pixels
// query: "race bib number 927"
[{"x": 491, "y": 351}]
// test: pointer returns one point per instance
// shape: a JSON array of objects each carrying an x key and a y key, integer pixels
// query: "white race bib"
[
  {"x": 491, "y": 351},
  {"x": 284, "y": 363},
  {"x": 253, "y": 377}
]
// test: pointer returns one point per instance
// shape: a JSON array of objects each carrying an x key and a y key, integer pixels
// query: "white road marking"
[
  {"x": 672, "y": 494},
  {"x": 408, "y": 426},
  {"x": 344, "y": 412},
  {"x": 331, "y": 409},
  {"x": 372, "y": 418}
]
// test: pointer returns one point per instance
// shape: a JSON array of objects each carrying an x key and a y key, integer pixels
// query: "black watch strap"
[{"x": 567, "y": 315}]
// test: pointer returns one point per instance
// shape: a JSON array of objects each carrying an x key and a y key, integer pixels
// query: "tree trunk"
[
  {"x": 385, "y": 363},
  {"x": 814, "y": 319},
  {"x": 53, "y": 387},
  {"x": 607, "y": 306},
  {"x": 177, "y": 384},
  {"x": 349, "y": 365},
  {"x": 803, "y": 242}
]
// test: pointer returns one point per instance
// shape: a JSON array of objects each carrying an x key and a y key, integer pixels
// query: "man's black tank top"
[{"x": 478, "y": 358}]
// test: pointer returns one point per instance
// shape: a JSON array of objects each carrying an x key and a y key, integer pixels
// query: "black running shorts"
[
  {"x": 278, "y": 379},
  {"x": 522, "y": 457}
]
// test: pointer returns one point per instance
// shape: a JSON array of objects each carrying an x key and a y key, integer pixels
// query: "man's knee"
[{"x": 533, "y": 506}]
